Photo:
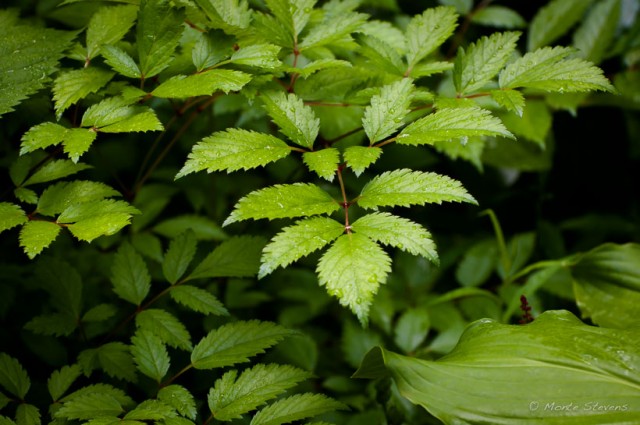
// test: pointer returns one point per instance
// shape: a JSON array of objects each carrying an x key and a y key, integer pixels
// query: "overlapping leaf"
[
  {"x": 157, "y": 34},
  {"x": 116, "y": 115},
  {"x": 129, "y": 275},
  {"x": 37, "y": 235},
  {"x": 11, "y": 215},
  {"x": 179, "y": 256},
  {"x": 236, "y": 257},
  {"x": 166, "y": 326},
  {"x": 180, "y": 399},
  {"x": 202, "y": 84},
  {"x": 594, "y": 36},
  {"x": 108, "y": 25},
  {"x": 385, "y": 114},
  {"x": 61, "y": 379},
  {"x": 198, "y": 299},
  {"x": 294, "y": 408},
  {"x": 150, "y": 355},
  {"x": 71, "y": 86},
  {"x": 13, "y": 377},
  {"x": 426, "y": 32},
  {"x": 554, "y": 20},
  {"x": 296, "y": 120},
  {"x": 337, "y": 28}
]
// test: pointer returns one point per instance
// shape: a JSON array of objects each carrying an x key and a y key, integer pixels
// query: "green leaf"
[
  {"x": 452, "y": 123},
  {"x": 578, "y": 370},
  {"x": 477, "y": 264},
  {"x": 27, "y": 414},
  {"x": 64, "y": 284},
  {"x": 296, "y": 120},
  {"x": 150, "y": 410},
  {"x": 129, "y": 275},
  {"x": 165, "y": 325},
  {"x": 232, "y": 16},
  {"x": 334, "y": 29},
  {"x": 37, "y": 235},
  {"x": 150, "y": 355},
  {"x": 157, "y": 34},
  {"x": 547, "y": 69},
  {"x": 100, "y": 313},
  {"x": 384, "y": 116},
  {"x": 499, "y": 17},
  {"x": 179, "y": 256},
  {"x": 397, "y": 232},
  {"x": 180, "y": 399},
  {"x": 318, "y": 65},
  {"x": 233, "y": 396},
  {"x": 4, "y": 401},
  {"x": 297, "y": 241},
  {"x": 61, "y": 379},
  {"x": 352, "y": 270},
  {"x": 29, "y": 55},
  {"x": 235, "y": 343},
  {"x": 511, "y": 100},
  {"x": 77, "y": 141},
  {"x": 381, "y": 54},
  {"x": 25, "y": 195},
  {"x": 359, "y": 158},
  {"x": 71, "y": 86},
  {"x": 90, "y": 406},
  {"x": 60, "y": 196},
  {"x": 11, "y": 215},
  {"x": 202, "y": 84},
  {"x": 114, "y": 115},
  {"x": 405, "y": 187},
  {"x": 13, "y": 377},
  {"x": 323, "y": 162},
  {"x": 232, "y": 150},
  {"x": 534, "y": 124},
  {"x": 606, "y": 283},
  {"x": 120, "y": 61},
  {"x": 554, "y": 20},
  {"x": 482, "y": 61},
  {"x": 426, "y": 32},
  {"x": 294, "y": 408},
  {"x": 92, "y": 220},
  {"x": 56, "y": 169},
  {"x": 235, "y": 257},
  {"x": 430, "y": 68},
  {"x": 257, "y": 55},
  {"x": 41, "y": 136},
  {"x": 280, "y": 201},
  {"x": 198, "y": 300},
  {"x": 203, "y": 227},
  {"x": 292, "y": 14},
  {"x": 54, "y": 324},
  {"x": 116, "y": 360},
  {"x": 595, "y": 34},
  {"x": 107, "y": 26},
  {"x": 411, "y": 329}
]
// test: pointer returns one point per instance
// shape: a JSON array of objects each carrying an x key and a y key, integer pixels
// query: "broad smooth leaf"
[
  {"x": 359, "y": 158},
  {"x": 166, "y": 326},
  {"x": 428, "y": 31},
  {"x": 11, "y": 215},
  {"x": 235, "y": 343},
  {"x": 450, "y": 124},
  {"x": 234, "y": 149},
  {"x": 198, "y": 299},
  {"x": 108, "y": 25},
  {"x": 574, "y": 374},
  {"x": 281, "y": 201},
  {"x": 554, "y": 20},
  {"x": 235, "y": 257},
  {"x": 397, "y": 232},
  {"x": 180, "y": 399},
  {"x": 405, "y": 187},
  {"x": 37, "y": 235},
  {"x": 13, "y": 377},
  {"x": 411, "y": 329},
  {"x": 71, "y": 86},
  {"x": 296, "y": 120},
  {"x": 606, "y": 283},
  {"x": 595, "y": 34},
  {"x": 202, "y": 84},
  {"x": 352, "y": 270},
  {"x": 150, "y": 355},
  {"x": 61, "y": 379},
  {"x": 233, "y": 396},
  {"x": 179, "y": 255},
  {"x": 323, "y": 162},
  {"x": 296, "y": 407},
  {"x": 297, "y": 241},
  {"x": 158, "y": 33},
  {"x": 129, "y": 275}
]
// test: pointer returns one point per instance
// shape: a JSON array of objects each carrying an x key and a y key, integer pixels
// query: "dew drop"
[{"x": 373, "y": 278}]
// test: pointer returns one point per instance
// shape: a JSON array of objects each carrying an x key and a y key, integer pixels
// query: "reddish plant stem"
[
  {"x": 457, "y": 40},
  {"x": 345, "y": 201}
]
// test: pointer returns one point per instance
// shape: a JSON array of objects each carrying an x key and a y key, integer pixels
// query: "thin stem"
[
  {"x": 502, "y": 246},
  {"x": 154, "y": 145},
  {"x": 343, "y": 136},
  {"x": 176, "y": 376},
  {"x": 345, "y": 201},
  {"x": 566, "y": 262},
  {"x": 457, "y": 40}
]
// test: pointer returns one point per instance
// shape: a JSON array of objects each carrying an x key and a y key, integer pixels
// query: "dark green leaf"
[
  {"x": 27, "y": 414},
  {"x": 166, "y": 326},
  {"x": 294, "y": 408},
  {"x": 478, "y": 263},
  {"x": 61, "y": 379},
  {"x": 179, "y": 256},
  {"x": 11, "y": 215},
  {"x": 198, "y": 300},
  {"x": 129, "y": 275},
  {"x": 150, "y": 355},
  {"x": 150, "y": 410},
  {"x": 202, "y": 84},
  {"x": 180, "y": 399},
  {"x": 120, "y": 61},
  {"x": 203, "y": 227},
  {"x": 89, "y": 406},
  {"x": 235, "y": 257},
  {"x": 499, "y": 17},
  {"x": 13, "y": 377},
  {"x": 100, "y": 313},
  {"x": 56, "y": 169},
  {"x": 554, "y": 20},
  {"x": 411, "y": 329},
  {"x": 54, "y": 324},
  {"x": 115, "y": 359},
  {"x": 157, "y": 33},
  {"x": 595, "y": 34}
]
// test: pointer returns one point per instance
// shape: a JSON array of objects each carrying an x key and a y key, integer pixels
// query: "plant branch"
[
  {"x": 457, "y": 39},
  {"x": 345, "y": 201}
]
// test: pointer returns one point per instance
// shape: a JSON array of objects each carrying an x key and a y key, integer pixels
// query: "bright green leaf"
[
  {"x": 180, "y": 399},
  {"x": 534, "y": 124},
  {"x": 235, "y": 257},
  {"x": 318, "y": 65},
  {"x": 158, "y": 34},
  {"x": 381, "y": 55},
  {"x": 149, "y": 410},
  {"x": 554, "y": 20},
  {"x": 41, "y": 136},
  {"x": 203, "y": 227},
  {"x": 92, "y": 220},
  {"x": 297, "y": 241},
  {"x": 58, "y": 197},
  {"x": 61, "y": 379},
  {"x": 411, "y": 329},
  {"x": 426, "y": 32},
  {"x": 405, "y": 187},
  {"x": 77, "y": 141},
  {"x": 232, "y": 150},
  {"x": 120, "y": 61},
  {"x": 129, "y": 275},
  {"x": 294, "y": 408},
  {"x": 198, "y": 300},
  {"x": 37, "y": 235},
  {"x": 232, "y": 16},
  {"x": 150, "y": 355},
  {"x": 257, "y": 55},
  {"x": 116, "y": 360},
  {"x": 179, "y": 256},
  {"x": 13, "y": 377},
  {"x": 11, "y": 215},
  {"x": 499, "y": 17},
  {"x": 166, "y": 326},
  {"x": 202, "y": 84},
  {"x": 359, "y": 158},
  {"x": 89, "y": 406},
  {"x": 27, "y": 414},
  {"x": 292, "y": 14},
  {"x": 397, "y": 232},
  {"x": 352, "y": 270},
  {"x": 337, "y": 28},
  {"x": 56, "y": 169},
  {"x": 235, "y": 343},
  {"x": 296, "y": 120},
  {"x": 385, "y": 114},
  {"x": 115, "y": 115},
  {"x": 595, "y": 34},
  {"x": 108, "y": 25},
  {"x": 323, "y": 162},
  {"x": 71, "y": 86},
  {"x": 511, "y": 100}
]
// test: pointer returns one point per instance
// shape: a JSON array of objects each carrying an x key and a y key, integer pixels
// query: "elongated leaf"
[
  {"x": 100, "y": 313},
  {"x": 359, "y": 158},
  {"x": 108, "y": 25},
  {"x": 554, "y": 20},
  {"x": 27, "y": 414},
  {"x": 166, "y": 326},
  {"x": 352, "y": 270},
  {"x": 499, "y": 17},
  {"x": 232, "y": 16},
  {"x": 150, "y": 355},
  {"x": 158, "y": 33},
  {"x": 606, "y": 283},
  {"x": 54, "y": 170},
  {"x": 202, "y": 84},
  {"x": 60, "y": 196},
  {"x": 257, "y": 55},
  {"x": 294, "y": 408},
  {"x": 384, "y": 116},
  {"x": 236, "y": 257},
  {"x": 482, "y": 61},
  {"x": 54, "y": 324},
  {"x": 319, "y": 65},
  {"x": 411, "y": 329},
  {"x": 405, "y": 187},
  {"x": 279, "y": 201},
  {"x": 583, "y": 374},
  {"x": 116, "y": 360},
  {"x": 179, "y": 256},
  {"x": 235, "y": 343},
  {"x": 37, "y": 235},
  {"x": 233, "y": 396},
  {"x": 323, "y": 162},
  {"x": 337, "y": 28},
  {"x": 129, "y": 275},
  {"x": 198, "y": 300},
  {"x": 297, "y": 241},
  {"x": 149, "y": 410},
  {"x": 397, "y": 232},
  {"x": 232, "y": 150},
  {"x": 595, "y": 34},
  {"x": 452, "y": 123},
  {"x": 180, "y": 399},
  {"x": 381, "y": 54},
  {"x": 296, "y": 120},
  {"x": 90, "y": 406},
  {"x": 105, "y": 217},
  {"x": 203, "y": 227},
  {"x": 512, "y": 100},
  {"x": 61, "y": 379},
  {"x": 547, "y": 69},
  {"x": 292, "y": 14},
  {"x": 120, "y": 61},
  {"x": 11, "y": 215},
  {"x": 41, "y": 136},
  {"x": 115, "y": 115},
  {"x": 13, "y": 377},
  {"x": 71, "y": 86},
  {"x": 426, "y": 32}
]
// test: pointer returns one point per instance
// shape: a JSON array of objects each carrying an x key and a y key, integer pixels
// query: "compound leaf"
[
  {"x": 352, "y": 269},
  {"x": 158, "y": 33},
  {"x": 149, "y": 410},
  {"x": 405, "y": 187},
  {"x": 198, "y": 299},
  {"x": 323, "y": 162},
  {"x": 385, "y": 114},
  {"x": 13, "y": 377},
  {"x": 108, "y": 25},
  {"x": 279, "y": 201},
  {"x": 150, "y": 355},
  {"x": 397, "y": 232},
  {"x": 37, "y": 235},
  {"x": 294, "y": 408},
  {"x": 180, "y": 399},
  {"x": 381, "y": 54},
  {"x": 129, "y": 275},
  {"x": 11, "y": 215},
  {"x": 234, "y": 149},
  {"x": 359, "y": 158},
  {"x": 179, "y": 255},
  {"x": 235, "y": 343},
  {"x": 71, "y": 86},
  {"x": 77, "y": 141},
  {"x": 554, "y": 20},
  {"x": 426, "y": 32},
  {"x": 233, "y": 396},
  {"x": 232, "y": 16},
  {"x": 235, "y": 257},
  {"x": 595, "y": 34},
  {"x": 296, "y": 120},
  {"x": 297, "y": 241},
  {"x": 452, "y": 123},
  {"x": 202, "y": 84},
  {"x": 166, "y": 326},
  {"x": 41, "y": 136}
]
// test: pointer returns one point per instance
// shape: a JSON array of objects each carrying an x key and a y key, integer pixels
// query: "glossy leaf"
[
  {"x": 59, "y": 196},
  {"x": 108, "y": 25},
  {"x": 294, "y": 408},
  {"x": 180, "y": 399},
  {"x": 202, "y": 84},
  {"x": 166, "y": 326},
  {"x": 120, "y": 61},
  {"x": 37, "y": 235},
  {"x": 150, "y": 355},
  {"x": 129, "y": 275},
  {"x": 198, "y": 300},
  {"x": 41, "y": 136},
  {"x": 323, "y": 162},
  {"x": 511, "y": 100},
  {"x": 232, "y": 16},
  {"x": 426, "y": 32},
  {"x": 13, "y": 377},
  {"x": 296, "y": 120},
  {"x": 157, "y": 34},
  {"x": 179, "y": 255},
  {"x": 236, "y": 257},
  {"x": 149, "y": 410},
  {"x": 257, "y": 55},
  {"x": 90, "y": 406},
  {"x": 381, "y": 54},
  {"x": 385, "y": 114},
  {"x": 554, "y": 20},
  {"x": 115, "y": 115},
  {"x": 11, "y": 215},
  {"x": 71, "y": 86},
  {"x": 337, "y": 28},
  {"x": 359, "y": 158},
  {"x": 54, "y": 170}
]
